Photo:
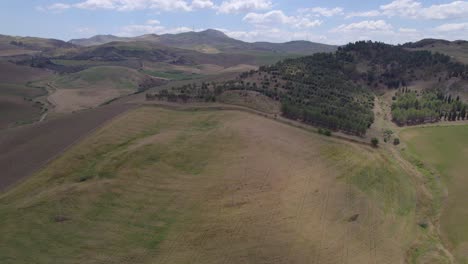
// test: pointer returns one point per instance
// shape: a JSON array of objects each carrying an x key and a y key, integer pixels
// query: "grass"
[
  {"x": 22, "y": 90},
  {"x": 117, "y": 77},
  {"x": 377, "y": 175},
  {"x": 101, "y": 185},
  {"x": 250, "y": 99},
  {"x": 441, "y": 153},
  {"x": 158, "y": 185},
  {"x": 173, "y": 75},
  {"x": 458, "y": 52},
  {"x": 130, "y": 63}
]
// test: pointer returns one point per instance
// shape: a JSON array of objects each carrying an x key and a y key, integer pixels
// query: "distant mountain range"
[{"x": 211, "y": 41}]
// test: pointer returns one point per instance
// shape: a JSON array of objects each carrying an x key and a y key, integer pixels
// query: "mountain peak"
[{"x": 214, "y": 33}]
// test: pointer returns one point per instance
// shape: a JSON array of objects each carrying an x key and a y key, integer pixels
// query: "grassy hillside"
[
  {"x": 13, "y": 45},
  {"x": 162, "y": 186},
  {"x": 213, "y": 41},
  {"x": 117, "y": 77},
  {"x": 336, "y": 90},
  {"x": 97, "y": 85},
  {"x": 455, "y": 49},
  {"x": 443, "y": 150}
]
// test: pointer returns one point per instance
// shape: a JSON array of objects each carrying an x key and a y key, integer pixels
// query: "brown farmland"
[{"x": 25, "y": 149}]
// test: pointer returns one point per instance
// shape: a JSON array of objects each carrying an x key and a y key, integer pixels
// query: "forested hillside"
[{"x": 336, "y": 90}]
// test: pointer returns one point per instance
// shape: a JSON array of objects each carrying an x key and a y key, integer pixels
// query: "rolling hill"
[
  {"x": 12, "y": 45},
  {"x": 97, "y": 40},
  {"x": 457, "y": 50},
  {"x": 95, "y": 86},
  {"x": 336, "y": 90},
  {"x": 271, "y": 165},
  {"x": 171, "y": 186},
  {"x": 213, "y": 41}
]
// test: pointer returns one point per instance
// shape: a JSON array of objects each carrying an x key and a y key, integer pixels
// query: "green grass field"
[
  {"x": 163, "y": 186},
  {"x": 173, "y": 75},
  {"x": 443, "y": 150},
  {"x": 102, "y": 76}
]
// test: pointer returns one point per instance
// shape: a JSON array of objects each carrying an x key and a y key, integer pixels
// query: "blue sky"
[{"x": 333, "y": 21}]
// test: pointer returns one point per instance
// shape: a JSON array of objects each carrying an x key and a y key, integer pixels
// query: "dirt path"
[
  {"x": 26, "y": 149},
  {"x": 383, "y": 122}
]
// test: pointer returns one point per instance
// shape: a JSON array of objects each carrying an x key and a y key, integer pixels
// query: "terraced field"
[{"x": 164, "y": 186}]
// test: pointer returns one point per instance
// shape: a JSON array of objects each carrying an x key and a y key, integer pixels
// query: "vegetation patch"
[
  {"x": 335, "y": 90},
  {"x": 173, "y": 75},
  {"x": 439, "y": 152},
  {"x": 376, "y": 175},
  {"x": 411, "y": 107}
]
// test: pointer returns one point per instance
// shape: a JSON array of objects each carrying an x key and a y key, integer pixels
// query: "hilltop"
[
  {"x": 336, "y": 90},
  {"x": 457, "y": 49},
  {"x": 212, "y": 41}
]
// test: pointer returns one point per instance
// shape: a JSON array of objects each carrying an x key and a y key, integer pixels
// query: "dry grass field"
[
  {"x": 164, "y": 186},
  {"x": 92, "y": 87}
]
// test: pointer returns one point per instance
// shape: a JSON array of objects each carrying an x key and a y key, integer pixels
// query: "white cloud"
[
  {"x": 130, "y": 5},
  {"x": 371, "y": 13},
  {"x": 407, "y": 8},
  {"x": 86, "y": 31},
  {"x": 414, "y": 9},
  {"x": 274, "y": 35},
  {"x": 452, "y": 27},
  {"x": 278, "y": 17},
  {"x": 366, "y": 25},
  {"x": 457, "y": 9},
  {"x": 323, "y": 11},
  {"x": 138, "y": 30},
  {"x": 238, "y": 6},
  {"x": 153, "y": 22},
  {"x": 58, "y": 6},
  {"x": 200, "y": 4},
  {"x": 407, "y": 30}
]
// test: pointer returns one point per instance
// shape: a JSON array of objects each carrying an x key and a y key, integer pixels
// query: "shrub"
[
  {"x": 325, "y": 132},
  {"x": 375, "y": 142},
  {"x": 396, "y": 141}
]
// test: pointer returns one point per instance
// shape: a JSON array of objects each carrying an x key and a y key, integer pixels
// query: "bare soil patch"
[
  {"x": 25, "y": 149},
  {"x": 14, "y": 108}
]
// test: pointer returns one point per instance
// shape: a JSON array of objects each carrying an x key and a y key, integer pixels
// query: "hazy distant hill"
[
  {"x": 12, "y": 45},
  {"x": 98, "y": 40},
  {"x": 154, "y": 52},
  {"x": 456, "y": 49},
  {"x": 213, "y": 41}
]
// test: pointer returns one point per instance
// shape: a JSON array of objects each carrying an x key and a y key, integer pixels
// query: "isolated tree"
[{"x": 375, "y": 142}]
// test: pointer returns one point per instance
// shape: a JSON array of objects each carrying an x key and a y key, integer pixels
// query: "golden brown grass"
[{"x": 163, "y": 186}]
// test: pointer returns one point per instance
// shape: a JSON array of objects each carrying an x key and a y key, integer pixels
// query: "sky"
[{"x": 331, "y": 22}]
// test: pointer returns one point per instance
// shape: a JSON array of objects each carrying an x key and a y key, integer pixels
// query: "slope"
[
  {"x": 443, "y": 151},
  {"x": 213, "y": 41},
  {"x": 161, "y": 186},
  {"x": 455, "y": 49},
  {"x": 336, "y": 90},
  {"x": 17, "y": 94},
  {"x": 96, "y": 85}
]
